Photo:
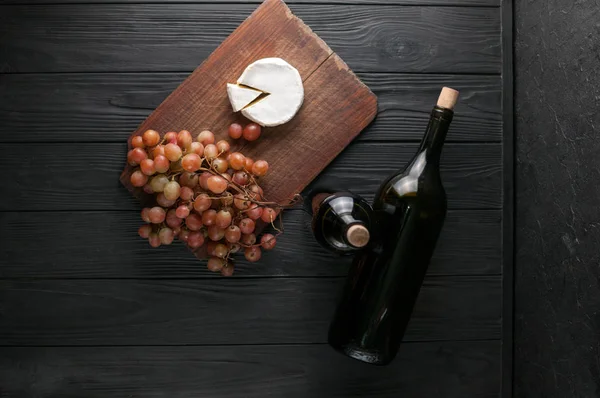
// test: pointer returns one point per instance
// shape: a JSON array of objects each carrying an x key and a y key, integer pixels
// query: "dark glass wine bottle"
[
  {"x": 341, "y": 221},
  {"x": 408, "y": 213}
]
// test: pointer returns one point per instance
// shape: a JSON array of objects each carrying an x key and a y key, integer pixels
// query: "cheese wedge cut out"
[
  {"x": 240, "y": 97},
  {"x": 283, "y": 84}
]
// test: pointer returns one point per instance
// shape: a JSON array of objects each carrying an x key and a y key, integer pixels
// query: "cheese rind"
[
  {"x": 282, "y": 82},
  {"x": 240, "y": 97}
]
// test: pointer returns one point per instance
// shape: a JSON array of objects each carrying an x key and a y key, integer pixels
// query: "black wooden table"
[{"x": 87, "y": 309}]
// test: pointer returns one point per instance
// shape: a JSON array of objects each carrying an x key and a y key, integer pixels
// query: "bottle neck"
[{"x": 435, "y": 135}]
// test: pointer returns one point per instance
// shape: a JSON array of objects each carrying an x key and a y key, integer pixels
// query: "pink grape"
[
  {"x": 260, "y": 168},
  {"x": 202, "y": 203},
  {"x": 247, "y": 225},
  {"x": 240, "y": 177},
  {"x": 138, "y": 179},
  {"x": 211, "y": 151},
  {"x": 161, "y": 164},
  {"x": 215, "y": 264},
  {"x": 248, "y": 239},
  {"x": 248, "y": 163},
  {"x": 184, "y": 235},
  {"x": 157, "y": 215},
  {"x": 195, "y": 239},
  {"x": 209, "y": 217},
  {"x": 235, "y": 131},
  {"x": 151, "y": 138},
  {"x": 173, "y": 152},
  {"x": 221, "y": 250},
  {"x": 154, "y": 240},
  {"x": 137, "y": 142},
  {"x": 162, "y": 200},
  {"x": 223, "y": 146},
  {"x": 205, "y": 138},
  {"x": 184, "y": 139},
  {"x": 147, "y": 167},
  {"x": 182, "y": 211},
  {"x": 158, "y": 150},
  {"x": 137, "y": 155},
  {"x": 254, "y": 212},
  {"x": 191, "y": 162},
  {"x": 172, "y": 190},
  {"x": 193, "y": 222},
  {"x": 227, "y": 269},
  {"x": 172, "y": 220},
  {"x": 146, "y": 214},
  {"x": 269, "y": 215},
  {"x": 220, "y": 165},
  {"x": 145, "y": 231},
  {"x": 189, "y": 180},
  {"x": 223, "y": 218},
  {"x": 257, "y": 192},
  {"x": 197, "y": 148},
  {"x": 216, "y": 184},
  {"x": 251, "y": 132},
  {"x": 252, "y": 254},
  {"x": 233, "y": 234},
  {"x": 241, "y": 201},
  {"x": 166, "y": 236},
  {"x": 186, "y": 193},
  {"x": 158, "y": 182},
  {"x": 171, "y": 137},
  {"x": 236, "y": 160},
  {"x": 203, "y": 179},
  {"x": 268, "y": 241},
  {"x": 215, "y": 233}
]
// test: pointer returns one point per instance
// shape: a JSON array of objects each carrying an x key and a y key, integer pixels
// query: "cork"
[
  {"x": 448, "y": 98},
  {"x": 358, "y": 235}
]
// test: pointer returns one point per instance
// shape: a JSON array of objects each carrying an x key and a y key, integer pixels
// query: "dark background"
[
  {"x": 87, "y": 309},
  {"x": 557, "y": 54}
]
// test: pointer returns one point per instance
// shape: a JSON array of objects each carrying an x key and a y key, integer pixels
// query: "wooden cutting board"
[{"x": 337, "y": 105}]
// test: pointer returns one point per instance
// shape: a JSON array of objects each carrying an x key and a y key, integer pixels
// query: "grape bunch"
[{"x": 206, "y": 196}]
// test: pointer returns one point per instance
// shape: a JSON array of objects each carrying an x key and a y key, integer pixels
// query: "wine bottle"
[
  {"x": 384, "y": 281},
  {"x": 341, "y": 221}
]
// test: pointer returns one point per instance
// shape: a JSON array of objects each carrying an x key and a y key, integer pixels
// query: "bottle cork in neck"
[
  {"x": 448, "y": 98},
  {"x": 358, "y": 235}
]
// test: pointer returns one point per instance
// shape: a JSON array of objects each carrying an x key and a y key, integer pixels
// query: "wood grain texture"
[
  {"x": 106, "y": 245},
  {"x": 217, "y": 310},
  {"x": 178, "y": 37},
  {"x": 104, "y": 107},
  {"x": 449, "y": 370},
  {"x": 85, "y": 176},
  {"x": 484, "y": 3},
  {"x": 337, "y": 106},
  {"x": 557, "y": 289}
]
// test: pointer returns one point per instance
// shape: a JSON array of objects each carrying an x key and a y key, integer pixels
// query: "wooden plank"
[
  {"x": 106, "y": 245},
  {"x": 215, "y": 310},
  {"x": 85, "y": 176},
  {"x": 178, "y": 37},
  {"x": 449, "y": 370},
  {"x": 484, "y": 3},
  {"x": 103, "y": 107}
]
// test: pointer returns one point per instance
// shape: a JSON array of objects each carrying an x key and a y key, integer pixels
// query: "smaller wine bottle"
[{"x": 341, "y": 221}]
